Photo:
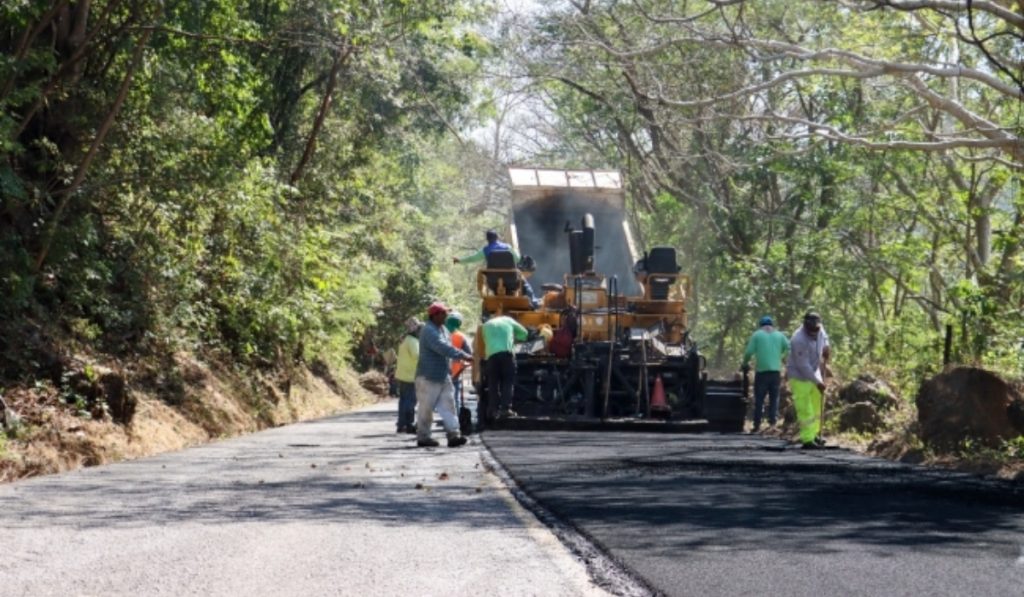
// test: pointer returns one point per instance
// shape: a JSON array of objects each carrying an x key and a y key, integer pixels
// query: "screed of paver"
[{"x": 341, "y": 506}]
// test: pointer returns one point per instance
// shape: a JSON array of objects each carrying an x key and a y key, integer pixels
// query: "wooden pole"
[{"x": 948, "y": 345}]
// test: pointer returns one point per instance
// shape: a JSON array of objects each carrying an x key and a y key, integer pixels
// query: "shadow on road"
[
  {"x": 679, "y": 495},
  {"x": 268, "y": 476}
]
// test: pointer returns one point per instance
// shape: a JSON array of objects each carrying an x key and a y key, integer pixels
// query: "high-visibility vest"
[{"x": 458, "y": 341}]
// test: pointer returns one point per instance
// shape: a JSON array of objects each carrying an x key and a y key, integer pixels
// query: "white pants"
[{"x": 439, "y": 395}]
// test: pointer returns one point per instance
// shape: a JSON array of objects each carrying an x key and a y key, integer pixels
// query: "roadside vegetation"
[
  {"x": 267, "y": 189},
  {"x": 860, "y": 158},
  {"x": 253, "y": 186}
]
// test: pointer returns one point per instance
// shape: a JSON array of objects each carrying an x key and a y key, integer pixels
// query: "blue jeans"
[
  {"x": 528, "y": 292},
  {"x": 457, "y": 383},
  {"x": 766, "y": 383},
  {"x": 406, "y": 404}
]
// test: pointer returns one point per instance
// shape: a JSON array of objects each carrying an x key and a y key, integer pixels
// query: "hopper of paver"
[{"x": 609, "y": 345}]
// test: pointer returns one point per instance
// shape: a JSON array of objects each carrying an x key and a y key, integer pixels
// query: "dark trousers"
[
  {"x": 766, "y": 383},
  {"x": 406, "y": 404},
  {"x": 501, "y": 374}
]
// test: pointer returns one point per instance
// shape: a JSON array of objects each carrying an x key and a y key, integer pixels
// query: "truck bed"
[{"x": 540, "y": 231}]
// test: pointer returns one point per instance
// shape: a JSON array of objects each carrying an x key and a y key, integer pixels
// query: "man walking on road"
[
  {"x": 809, "y": 350},
  {"x": 500, "y": 334},
  {"x": 768, "y": 347},
  {"x": 405, "y": 374},
  {"x": 434, "y": 381}
]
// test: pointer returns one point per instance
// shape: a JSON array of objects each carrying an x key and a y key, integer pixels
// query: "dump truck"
[{"x": 610, "y": 345}]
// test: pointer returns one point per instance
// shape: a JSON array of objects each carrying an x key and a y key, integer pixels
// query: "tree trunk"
[
  {"x": 332, "y": 81},
  {"x": 97, "y": 142}
]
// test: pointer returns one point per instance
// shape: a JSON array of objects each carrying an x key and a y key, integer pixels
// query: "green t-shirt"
[
  {"x": 480, "y": 256},
  {"x": 500, "y": 334},
  {"x": 768, "y": 348}
]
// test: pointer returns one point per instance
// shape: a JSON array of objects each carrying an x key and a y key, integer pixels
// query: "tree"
[{"x": 855, "y": 156}]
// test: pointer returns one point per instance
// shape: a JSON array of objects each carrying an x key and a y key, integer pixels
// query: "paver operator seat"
[
  {"x": 502, "y": 276},
  {"x": 657, "y": 271}
]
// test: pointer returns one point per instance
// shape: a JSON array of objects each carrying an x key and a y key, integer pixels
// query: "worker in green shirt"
[
  {"x": 768, "y": 347},
  {"x": 500, "y": 335}
]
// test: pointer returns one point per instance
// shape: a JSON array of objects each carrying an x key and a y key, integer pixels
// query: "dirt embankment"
[
  {"x": 100, "y": 412},
  {"x": 965, "y": 418}
]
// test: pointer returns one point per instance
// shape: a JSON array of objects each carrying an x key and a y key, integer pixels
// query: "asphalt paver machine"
[{"x": 609, "y": 346}]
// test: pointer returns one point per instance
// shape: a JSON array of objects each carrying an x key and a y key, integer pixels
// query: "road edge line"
[{"x": 604, "y": 570}]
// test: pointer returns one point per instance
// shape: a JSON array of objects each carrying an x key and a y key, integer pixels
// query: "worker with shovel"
[
  {"x": 808, "y": 351},
  {"x": 434, "y": 380}
]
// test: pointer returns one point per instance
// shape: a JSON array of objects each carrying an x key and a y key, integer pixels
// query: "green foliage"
[
  {"x": 787, "y": 195},
  {"x": 226, "y": 209},
  {"x": 1008, "y": 451}
]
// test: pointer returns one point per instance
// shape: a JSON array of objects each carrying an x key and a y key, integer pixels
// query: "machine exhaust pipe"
[{"x": 581, "y": 246}]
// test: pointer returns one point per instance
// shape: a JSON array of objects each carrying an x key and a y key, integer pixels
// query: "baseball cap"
[
  {"x": 766, "y": 320},
  {"x": 436, "y": 307}
]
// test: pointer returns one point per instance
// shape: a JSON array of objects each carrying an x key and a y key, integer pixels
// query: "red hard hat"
[{"x": 435, "y": 308}]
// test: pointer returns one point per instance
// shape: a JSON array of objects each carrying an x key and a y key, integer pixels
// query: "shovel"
[
  {"x": 826, "y": 373},
  {"x": 465, "y": 415}
]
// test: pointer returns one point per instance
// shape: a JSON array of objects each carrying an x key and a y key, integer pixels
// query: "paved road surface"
[
  {"x": 732, "y": 515},
  {"x": 252, "y": 516}
]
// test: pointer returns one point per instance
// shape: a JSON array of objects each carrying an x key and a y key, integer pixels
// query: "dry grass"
[
  {"x": 898, "y": 441},
  {"x": 217, "y": 402}
]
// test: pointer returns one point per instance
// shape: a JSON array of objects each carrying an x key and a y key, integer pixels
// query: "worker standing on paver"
[
  {"x": 434, "y": 380},
  {"x": 809, "y": 350},
  {"x": 768, "y": 347},
  {"x": 494, "y": 244},
  {"x": 459, "y": 340},
  {"x": 405, "y": 374},
  {"x": 500, "y": 335}
]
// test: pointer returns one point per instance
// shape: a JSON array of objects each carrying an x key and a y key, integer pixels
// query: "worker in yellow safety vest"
[{"x": 405, "y": 374}]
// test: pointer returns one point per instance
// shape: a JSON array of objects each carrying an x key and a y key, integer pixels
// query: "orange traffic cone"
[{"x": 659, "y": 407}]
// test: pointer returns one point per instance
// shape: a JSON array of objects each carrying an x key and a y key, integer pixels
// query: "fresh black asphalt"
[{"x": 731, "y": 515}]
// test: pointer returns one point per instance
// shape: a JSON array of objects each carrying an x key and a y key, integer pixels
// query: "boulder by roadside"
[
  {"x": 375, "y": 382},
  {"x": 870, "y": 389},
  {"x": 967, "y": 403},
  {"x": 861, "y": 417}
]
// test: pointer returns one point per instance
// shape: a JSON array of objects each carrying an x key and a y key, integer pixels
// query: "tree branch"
[
  {"x": 97, "y": 142},
  {"x": 339, "y": 60}
]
